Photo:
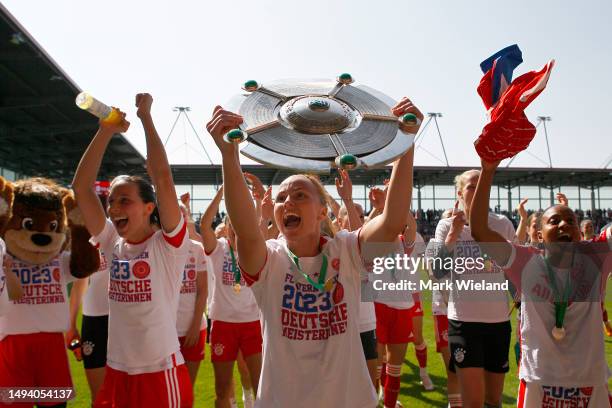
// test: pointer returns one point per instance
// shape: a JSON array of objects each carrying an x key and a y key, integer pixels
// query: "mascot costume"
[{"x": 39, "y": 220}]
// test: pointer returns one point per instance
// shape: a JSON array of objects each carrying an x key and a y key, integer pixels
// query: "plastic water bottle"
[{"x": 106, "y": 114}]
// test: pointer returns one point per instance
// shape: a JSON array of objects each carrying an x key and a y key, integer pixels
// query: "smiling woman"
[
  {"x": 307, "y": 284},
  {"x": 126, "y": 192},
  {"x": 148, "y": 255}
]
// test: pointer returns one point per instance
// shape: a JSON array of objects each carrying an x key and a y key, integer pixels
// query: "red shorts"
[
  {"x": 195, "y": 352},
  {"x": 441, "y": 329},
  {"x": 393, "y": 326},
  {"x": 227, "y": 338},
  {"x": 34, "y": 360},
  {"x": 416, "y": 310},
  {"x": 162, "y": 389}
]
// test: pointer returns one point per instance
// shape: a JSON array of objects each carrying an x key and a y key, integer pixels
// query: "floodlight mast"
[
  {"x": 432, "y": 116},
  {"x": 182, "y": 110},
  {"x": 543, "y": 120}
]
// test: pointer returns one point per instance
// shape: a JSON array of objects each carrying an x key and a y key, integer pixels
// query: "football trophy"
[{"x": 314, "y": 125}]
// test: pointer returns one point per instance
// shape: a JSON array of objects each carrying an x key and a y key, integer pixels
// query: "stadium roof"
[
  {"x": 423, "y": 175},
  {"x": 41, "y": 129}
]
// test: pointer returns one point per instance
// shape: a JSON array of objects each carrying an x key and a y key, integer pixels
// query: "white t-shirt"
[
  {"x": 477, "y": 305},
  {"x": 3, "y": 296},
  {"x": 196, "y": 263},
  {"x": 143, "y": 293},
  {"x": 44, "y": 304},
  {"x": 312, "y": 351},
  {"x": 226, "y": 305},
  {"x": 579, "y": 359},
  {"x": 95, "y": 301}
]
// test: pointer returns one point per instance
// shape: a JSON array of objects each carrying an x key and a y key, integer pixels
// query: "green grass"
[{"x": 411, "y": 393}]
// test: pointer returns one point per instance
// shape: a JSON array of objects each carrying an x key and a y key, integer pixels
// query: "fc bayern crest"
[
  {"x": 141, "y": 269},
  {"x": 338, "y": 294},
  {"x": 313, "y": 125},
  {"x": 56, "y": 274}
]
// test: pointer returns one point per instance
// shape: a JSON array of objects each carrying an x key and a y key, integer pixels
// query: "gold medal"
[
  {"x": 558, "y": 333},
  {"x": 237, "y": 288},
  {"x": 329, "y": 285}
]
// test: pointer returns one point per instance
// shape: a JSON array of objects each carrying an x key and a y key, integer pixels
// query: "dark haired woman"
[{"x": 144, "y": 365}]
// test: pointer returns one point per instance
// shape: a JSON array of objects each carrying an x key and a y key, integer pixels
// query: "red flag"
[{"x": 509, "y": 131}]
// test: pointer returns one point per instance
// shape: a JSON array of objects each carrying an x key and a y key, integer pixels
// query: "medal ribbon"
[
  {"x": 235, "y": 267},
  {"x": 322, "y": 273},
  {"x": 560, "y": 304}
]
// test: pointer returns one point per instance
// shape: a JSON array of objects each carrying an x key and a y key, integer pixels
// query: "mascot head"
[{"x": 33, "y": 219}]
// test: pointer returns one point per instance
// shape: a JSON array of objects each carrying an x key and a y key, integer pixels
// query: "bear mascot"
[{"x": 47, "y": 247}]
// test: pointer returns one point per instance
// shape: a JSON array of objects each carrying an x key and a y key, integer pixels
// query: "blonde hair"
[
  {"x": 460, "y": 179},
  {"x": 327, "y": 227}
]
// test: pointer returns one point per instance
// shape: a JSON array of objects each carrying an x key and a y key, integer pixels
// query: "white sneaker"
[{"x": 426, "y": 382}]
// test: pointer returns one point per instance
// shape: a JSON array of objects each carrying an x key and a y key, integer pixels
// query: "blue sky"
[{"x": 198, "y": 53}]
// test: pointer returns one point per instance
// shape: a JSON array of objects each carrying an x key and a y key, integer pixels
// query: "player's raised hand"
[
  {"x": 344, "y": 185},
  {"x": 112, "y": 128},
  {"x": 404, "y": 106},
  {"x": 377, "y": 198},
  {"x": 521, "y": 208},
  {"x": 267, "y": 205},
  {"x": 458, "y": 221},
  {"x": 223, "y": 121},
  {"x": 143, "y": 103},
  {"x": 562, "y": 199},
  {"x": 257, "y": 187}
]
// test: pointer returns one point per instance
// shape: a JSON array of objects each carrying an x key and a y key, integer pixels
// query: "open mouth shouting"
[
  {"x": 564, "y": 237},
  {"x": 120, "y": 223},
  {"x": 291, "y": 221}
]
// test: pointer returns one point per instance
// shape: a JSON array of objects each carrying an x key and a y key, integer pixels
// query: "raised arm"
[
  {"x": 269, "y": 231},
  {"x": 158, "y": 167},
  {"x": 377, "y": 199},
  {"x": 411, "y": 228},
  {"x": 237, "y": 195},
  {"x": 344, "y": 186},
  {"x": 208, "y": 234},
  {"x": 333, "y": 205},
  {"x": 87, "y": 171},
  {"x": 388, "y": 225},
  {"x": 521, "y": 231},
  {"x": 493, "y": 244},
  {"x": 257, "y": 191},
  {"x": 191, "y": 229}
]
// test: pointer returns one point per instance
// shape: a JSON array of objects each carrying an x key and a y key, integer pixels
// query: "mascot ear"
[
  {"x": 73, "y": 213},
  {"x": 6, "y": 201}
]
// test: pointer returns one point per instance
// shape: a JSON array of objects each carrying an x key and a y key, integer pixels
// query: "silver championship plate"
[{"x": 313, "y": 125}]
